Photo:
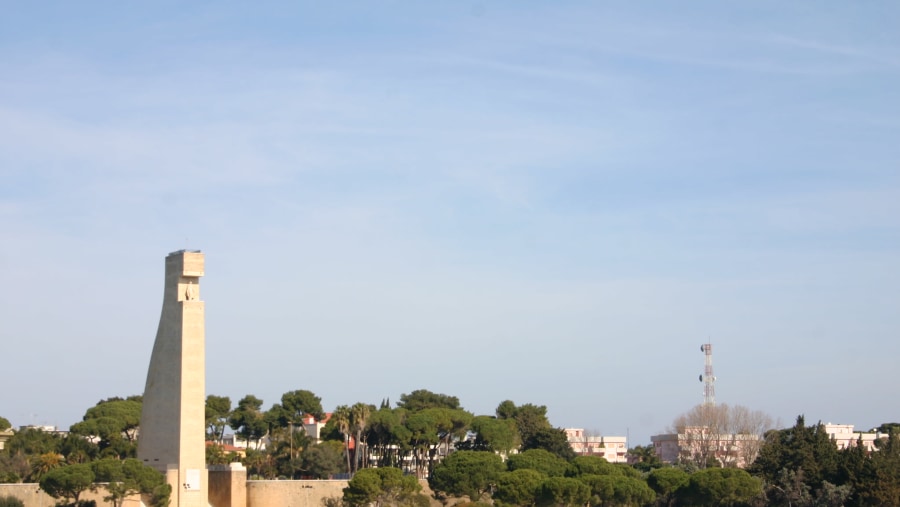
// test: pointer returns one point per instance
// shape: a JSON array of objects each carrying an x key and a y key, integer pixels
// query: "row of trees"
[
  {"x": 99, "y": 449},
  {"x": 802, "y": 466},
  {"x": 537, "y": 477},
  {"x": 422, "y": 427},
  {"x": 107, "y": 430},
  {"x": 513, "y": 457},
  {"x": 120, "y": 478},
  {"x": 796, "y": 467}
]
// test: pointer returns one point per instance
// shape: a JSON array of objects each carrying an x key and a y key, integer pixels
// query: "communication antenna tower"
[{"x": 708, "y": 379}]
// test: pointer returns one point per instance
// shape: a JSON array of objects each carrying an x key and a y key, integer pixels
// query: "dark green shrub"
[{"x": 11, "y": 501}]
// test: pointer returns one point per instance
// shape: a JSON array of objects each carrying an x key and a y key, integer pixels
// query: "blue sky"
[{"x": 554, "y": 203}]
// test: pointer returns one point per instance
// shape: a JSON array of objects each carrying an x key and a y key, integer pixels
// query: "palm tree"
[
  {"x": 44, "y": 463},
  {"x": 341, "y": 416},
  {"x": 359, "y": 415}
]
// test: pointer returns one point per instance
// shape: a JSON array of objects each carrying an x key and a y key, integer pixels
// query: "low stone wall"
[
  {"x": 303, "y": 493},
  {"x": 292, "y": 493},
  {"x": 33, "y": 496},
  {"x": 225, "y": 491}
]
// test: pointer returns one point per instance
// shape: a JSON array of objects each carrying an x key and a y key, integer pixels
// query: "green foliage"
[
  {"x": 466, "y": 473},
  {"x": 68, "y": 482},
  {"x": 519, "y": 487},
  {"x": 42, "y": 464},
  {"x": 386, "y": 435},
  {"x": 553, "y": 440},
  {"x": 806, "y": 448},
  {"x": 126, "y": 413},
  {"x": 618, "y": 489},
  {"x": 331, "y": 431},
  {"x": 720, "y": 487},
  {"x": 667, "y": 482},
  {"x": 647, "y": 459},
  {"x": 633, "y": 491},
  {"x": 886, "y": 428},
  {"x": 543, "y": 461},
  {"x": 78, "y": 449},
  {"x": 875, "y": 479},
  {"x": 789, "y": 489},
  {"x": 529, "y": 418},
  {"x": 115, "y": 422},
  {"x": 422, "y": 430},
  {"x": 359, "y": 418},
  {"x": 126, "y": 477},
  {"x": 161, "y": 495},
  {"x": 299, "y": 403},
  {"x": 421, "y": 399},
  {"x": 496, "y": 435},
  {"x": 11, "y": 501},
  {"x": 594, "y": 465},
  {"x": 383, "y": 487},
  {"x": 834, "y": 496},
  {"x": 247, "y": 419},
  {"x": 323, "y": 460},
  {"x": 506, "y": 410},
  {"x": 218, "y": 409},
  {"x": 5, "y": 424},
  {"x": 602, "y": 487},
  {"x": 215, "y": 455},
  {"x": 563, "y": 492},
  {"x": 282, "y": 452},
  {"x": 13, "y": 467},
  {"x": 32, "y": 442}
]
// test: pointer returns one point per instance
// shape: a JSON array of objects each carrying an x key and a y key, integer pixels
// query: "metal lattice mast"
[{"x": 708, "y": 379}]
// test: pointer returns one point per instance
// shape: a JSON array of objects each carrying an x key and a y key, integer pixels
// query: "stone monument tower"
[{"x": 173, "y": 429}]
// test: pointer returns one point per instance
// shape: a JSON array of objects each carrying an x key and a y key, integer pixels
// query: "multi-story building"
[
  {"x": 844, "y": 437},
  {"x": 613, "y": 449},
  {"x": 699, "y": 444}
]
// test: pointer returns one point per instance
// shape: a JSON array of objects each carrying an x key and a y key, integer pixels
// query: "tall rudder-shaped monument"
[{"x": 173, "y": 429}]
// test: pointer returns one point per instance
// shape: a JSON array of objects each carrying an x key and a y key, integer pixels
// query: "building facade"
[
  {"x": 844, "y": 436},
  {"x": 700, "y": 445},
  {"x": 613, "y": 449}
]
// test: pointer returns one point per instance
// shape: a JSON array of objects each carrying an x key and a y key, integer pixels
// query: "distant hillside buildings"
[{"x": 699, "y": 444}]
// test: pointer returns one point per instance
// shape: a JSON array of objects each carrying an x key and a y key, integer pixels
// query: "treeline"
[
  {"x": 514, "y": 457},
  {"x": 99, "y": 449},
  {"x": 413, "y": 435}
]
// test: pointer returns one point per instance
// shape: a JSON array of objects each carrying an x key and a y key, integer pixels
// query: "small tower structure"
[{"x": 708, "y": 379}]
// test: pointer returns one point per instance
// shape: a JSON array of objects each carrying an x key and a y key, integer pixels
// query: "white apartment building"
[
  {"x": 699, "y": 443},
  {"x": 613, "y": 449},
  {"x": 844, "y": 437}
]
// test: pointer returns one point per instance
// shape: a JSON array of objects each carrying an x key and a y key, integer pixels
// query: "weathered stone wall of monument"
[
  {"x": 173, "y": 426},
  {"x": 228, "y": 485}
]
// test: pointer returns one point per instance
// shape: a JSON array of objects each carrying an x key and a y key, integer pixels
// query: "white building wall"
[{"x": 612, "y": 448}]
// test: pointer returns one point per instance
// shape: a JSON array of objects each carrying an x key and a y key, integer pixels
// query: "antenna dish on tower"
[{"x": 708, "y": 379}]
